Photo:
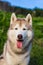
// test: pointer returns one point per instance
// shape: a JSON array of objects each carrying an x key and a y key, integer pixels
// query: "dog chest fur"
[{"x": 16, "y": 59}]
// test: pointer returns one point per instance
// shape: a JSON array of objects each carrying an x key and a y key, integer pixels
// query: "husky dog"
[{"x": 18, "y": 45}]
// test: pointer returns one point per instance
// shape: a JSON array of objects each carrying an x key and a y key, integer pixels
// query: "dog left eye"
[
  {"x": 16, "y": 28},
  {"x": 24, "y": 28}
]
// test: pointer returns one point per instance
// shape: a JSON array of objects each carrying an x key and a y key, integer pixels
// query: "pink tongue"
[{"x": 19, "y": 44}]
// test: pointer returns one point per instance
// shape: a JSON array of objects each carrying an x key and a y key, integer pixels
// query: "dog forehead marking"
[{"x": 20, "y": 21}]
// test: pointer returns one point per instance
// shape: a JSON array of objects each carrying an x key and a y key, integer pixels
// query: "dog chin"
[{"x": 18, "y": 50}]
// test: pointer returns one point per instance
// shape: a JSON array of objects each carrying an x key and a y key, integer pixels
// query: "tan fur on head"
[
  {"x": 15, "y": 20},
  {"x": 28, "y": 18}
]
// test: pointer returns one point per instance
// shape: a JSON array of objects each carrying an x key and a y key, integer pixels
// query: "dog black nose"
[{"x": 20, "y": 36}]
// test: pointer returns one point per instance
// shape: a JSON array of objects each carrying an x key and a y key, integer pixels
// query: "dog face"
[{"x": 20, "y": 32}]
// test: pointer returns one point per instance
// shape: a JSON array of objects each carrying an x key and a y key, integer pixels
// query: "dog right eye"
[{"x": 16, "y": 28}]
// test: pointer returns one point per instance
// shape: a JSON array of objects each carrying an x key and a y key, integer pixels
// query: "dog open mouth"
[{"x": 19, "y": 43}]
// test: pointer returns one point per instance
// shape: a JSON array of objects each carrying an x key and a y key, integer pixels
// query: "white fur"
[
  {"x": 20, "y": 31},
  {"x": 18, "y": 59}
]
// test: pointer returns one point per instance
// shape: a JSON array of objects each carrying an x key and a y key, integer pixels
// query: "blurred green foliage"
[{"x": 37, "y": 48}]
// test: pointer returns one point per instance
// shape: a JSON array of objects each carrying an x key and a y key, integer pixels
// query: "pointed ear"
[
  {"x": 29, "y": 19},
  {"x": 13, "y": 18}
]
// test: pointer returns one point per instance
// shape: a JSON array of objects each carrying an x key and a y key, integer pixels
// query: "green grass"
[{"x": 37, "y": 48}]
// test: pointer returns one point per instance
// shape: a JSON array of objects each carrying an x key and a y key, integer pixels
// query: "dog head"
[{"x": 20, "y": 32}]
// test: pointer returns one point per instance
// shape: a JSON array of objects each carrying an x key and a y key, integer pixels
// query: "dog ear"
[
  {"x": 29, "y": 19},
  {"x": 13, "y": 18}
]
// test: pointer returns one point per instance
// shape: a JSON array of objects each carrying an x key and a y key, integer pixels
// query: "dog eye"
[
  {"x": 24, "y": 28},
  {"x": 16, "y": 28}
]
